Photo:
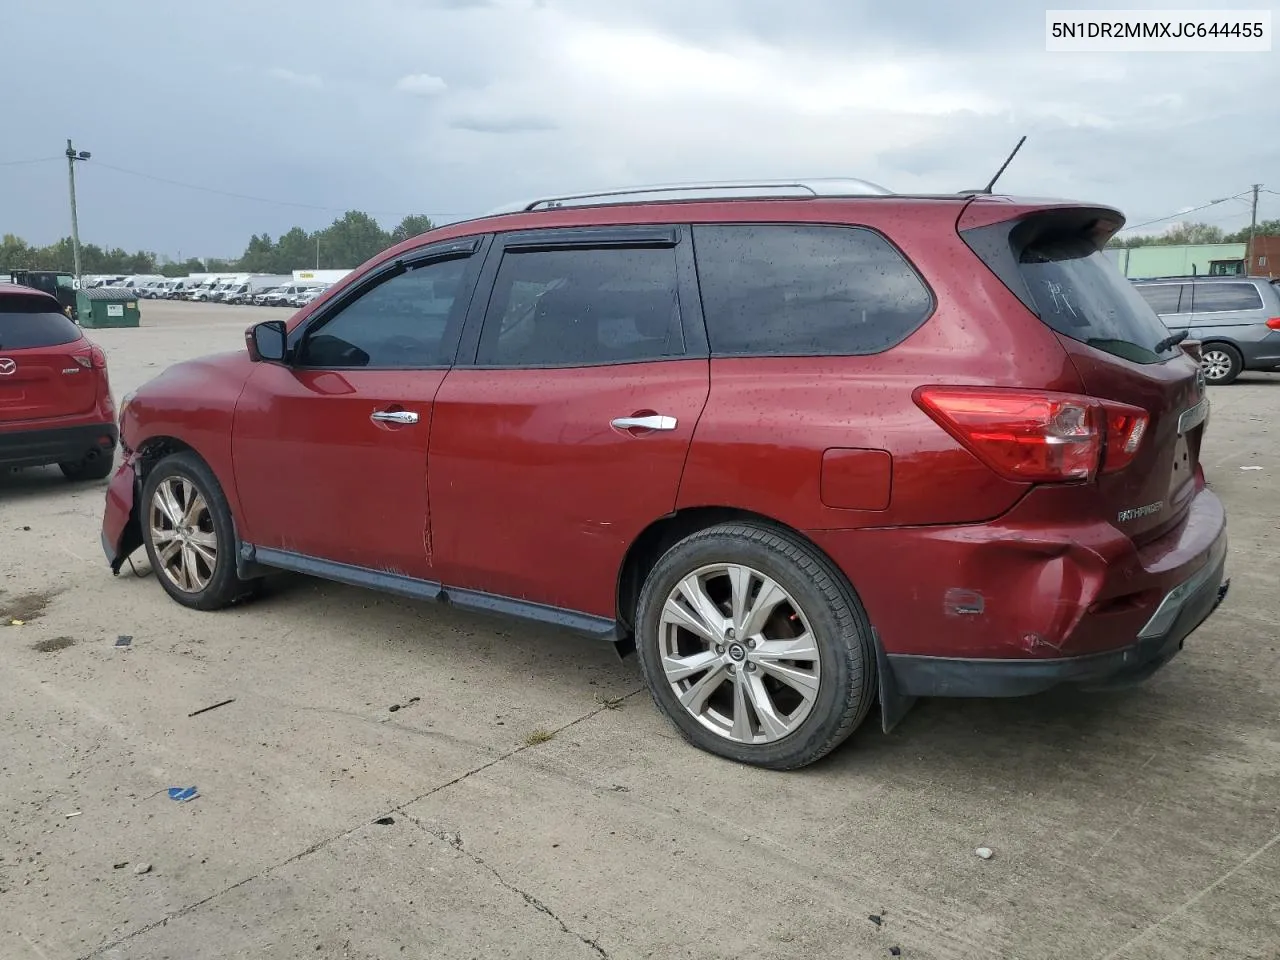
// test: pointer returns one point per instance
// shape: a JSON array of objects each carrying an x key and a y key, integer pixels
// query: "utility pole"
[
  {"x": 72, "y": 157},
  {"x": 318, "y": 249},
  {"x": 1253, "y": 228}
]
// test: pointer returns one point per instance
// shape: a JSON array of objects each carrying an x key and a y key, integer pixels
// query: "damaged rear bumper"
[{"x": 1181, "y": 612}]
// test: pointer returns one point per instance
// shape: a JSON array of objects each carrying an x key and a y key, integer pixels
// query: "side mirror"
[{"x": 267, "y": 341}]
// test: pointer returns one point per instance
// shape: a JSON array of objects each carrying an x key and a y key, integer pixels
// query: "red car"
[
  {"x": 807, "y": 446},
  {"x": 55, "y": 397}
]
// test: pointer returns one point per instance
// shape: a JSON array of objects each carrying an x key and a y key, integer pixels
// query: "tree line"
[
  {"x": 346, "y": 243},
  {"x": 1197, "y": 233}
]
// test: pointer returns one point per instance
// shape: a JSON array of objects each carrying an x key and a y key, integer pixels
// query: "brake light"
[
  {"x": 1037, "y": 436},
  {"x": 1274, "y": 323},
  {"x": 95, "y": 359}
]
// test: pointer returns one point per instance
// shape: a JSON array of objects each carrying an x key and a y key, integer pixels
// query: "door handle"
[
  {"x": 394, "y": 416},
  {"x": 654, "y": 422}
]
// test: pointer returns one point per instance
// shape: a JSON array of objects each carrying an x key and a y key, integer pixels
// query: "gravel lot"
[{"x": 1136, "y": 825}]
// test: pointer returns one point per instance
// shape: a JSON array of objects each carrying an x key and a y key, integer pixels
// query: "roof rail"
[
  {"x": 713, "y": 190},
  {"x": 1198, "y": 277}
]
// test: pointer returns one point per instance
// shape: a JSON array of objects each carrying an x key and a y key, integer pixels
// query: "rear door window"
[
  {"x": 805, "y": 290},
  {"x": 1165, "y": 298},
  {"x": 1226, "y": 297},
  {"x": 1078, "y": 292},
  {"x": 577, "y": 307},
  {"x": 27, "y": 322}
]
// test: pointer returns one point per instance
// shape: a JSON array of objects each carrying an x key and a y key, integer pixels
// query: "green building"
[{"x": 1180, "y": 260}]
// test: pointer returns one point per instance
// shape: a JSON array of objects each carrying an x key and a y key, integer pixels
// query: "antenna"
[{"x": 992, "y": 182}]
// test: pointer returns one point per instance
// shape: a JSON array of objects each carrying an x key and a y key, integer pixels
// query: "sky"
[{"x": 289, "y": 112}]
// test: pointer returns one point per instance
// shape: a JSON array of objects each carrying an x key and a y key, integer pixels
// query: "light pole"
[
  {"x": 72, "y": 157},
  {"x": 1253, "y": 228}
]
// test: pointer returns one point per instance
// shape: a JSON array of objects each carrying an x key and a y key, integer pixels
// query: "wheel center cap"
[{"x": 737, "y": 652}]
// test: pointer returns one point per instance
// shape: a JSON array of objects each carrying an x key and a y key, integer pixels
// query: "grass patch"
[
  {"x": 538, "y": 736},
  {"x": 609, "y": 703}
]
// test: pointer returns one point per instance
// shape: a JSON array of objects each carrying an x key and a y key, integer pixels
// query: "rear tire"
[
  {"x": 1221, "y": 363},
  {"x": 781, "y": 682},
  {"x": 190, "y": 535},
  {"x": 95, "y": 468}
]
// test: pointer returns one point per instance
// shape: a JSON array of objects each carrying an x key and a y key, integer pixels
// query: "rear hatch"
[
  {"x": 1051, "y": 258},
  {"x": 46, "y": 365}
]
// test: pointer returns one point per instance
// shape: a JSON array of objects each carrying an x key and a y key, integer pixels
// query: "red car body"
[
  {"x": 55, "y": 395},
  {"x": 519, "y": 497}
]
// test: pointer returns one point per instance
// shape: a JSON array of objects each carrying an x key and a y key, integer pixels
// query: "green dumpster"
[{"x": 107, "y": 307}]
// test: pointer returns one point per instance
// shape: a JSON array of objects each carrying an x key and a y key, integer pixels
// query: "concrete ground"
[{"x": 1135, "y": 825}]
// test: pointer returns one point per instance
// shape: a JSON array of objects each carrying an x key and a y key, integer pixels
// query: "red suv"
[
  {"x": 807, "y": 446},
  {"x": 55, "y": 398}
]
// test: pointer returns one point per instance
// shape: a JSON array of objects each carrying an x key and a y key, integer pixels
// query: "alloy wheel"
[
  {"x": 183, "y": 534},
  {"x": 739, "y": 653},
  {"x": 1216, "y": 365}
]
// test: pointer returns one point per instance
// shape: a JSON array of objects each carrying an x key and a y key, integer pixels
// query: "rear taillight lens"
[
  {"x": 1037, "y": 436},
  {"x": 1274, "y": 323},
  {"x": 1126, "y": 426},
  {"x": 93, "y": 359}
]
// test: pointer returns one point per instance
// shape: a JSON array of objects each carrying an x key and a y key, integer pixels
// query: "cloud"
[
  {"x": 503, "y": 124},
  {"x": 421, "y": 85},
  {"x": 310, "y": 80}
]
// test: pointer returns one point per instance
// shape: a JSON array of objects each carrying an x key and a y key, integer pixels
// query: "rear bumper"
[
  {"x": 33, "y": 448},
  {"x": 1032, "y": 600},
  {"x": 917, "y": 676}
]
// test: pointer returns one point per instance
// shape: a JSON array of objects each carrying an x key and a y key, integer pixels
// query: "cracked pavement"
[{"x": 1137, "y": 825}]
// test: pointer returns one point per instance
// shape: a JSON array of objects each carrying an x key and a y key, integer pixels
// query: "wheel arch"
[
  {"x": 662, "y": 534},
  {"x": 1223, "y": 341},
  {"x": 149, "y": 453}
]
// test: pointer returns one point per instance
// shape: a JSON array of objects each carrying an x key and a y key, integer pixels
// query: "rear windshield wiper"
[{"x": 1172, "y": 340}]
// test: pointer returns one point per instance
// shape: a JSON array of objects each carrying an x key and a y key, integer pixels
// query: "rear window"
[
  {"x": 1226, "y": 297},
  {"x": 33, "y": 322},
  {"x": 1079, "y": 293},
  {"x": 796, "y": 290}
]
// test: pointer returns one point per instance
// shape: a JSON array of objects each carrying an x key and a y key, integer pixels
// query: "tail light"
[
  {"x": 1038, "y": 436},
  {"x": 1274, "y": 323},
  {"x": 94, "y": 359}
]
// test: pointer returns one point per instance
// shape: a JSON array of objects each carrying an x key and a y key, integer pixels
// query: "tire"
[
  {"x": 96, "y": 468},
  {"x": 841, "y": 662},
  {"x": 209, "y": 528},
  {"x": 1221, "y": 363}
]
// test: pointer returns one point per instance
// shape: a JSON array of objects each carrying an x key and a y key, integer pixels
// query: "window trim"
[
  {"x": 910, "y": 264},
  {"x": 1262, "y": 302},
  {"x": 690, "y": 331},
  {"x": 471, "y": 248}
]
